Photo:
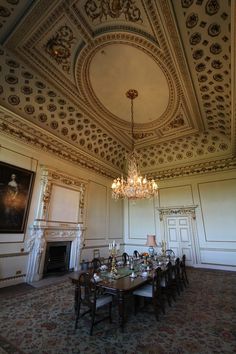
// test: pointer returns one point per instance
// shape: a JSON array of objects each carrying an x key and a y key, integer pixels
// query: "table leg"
[
  {"x": 121, "y": 309},
  {"x": 76, "y": 297}
]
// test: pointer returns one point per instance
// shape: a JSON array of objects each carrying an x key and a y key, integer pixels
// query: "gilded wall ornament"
[
  {"x": 101, "y": 9},
  {"x": 59, "y": 46}
]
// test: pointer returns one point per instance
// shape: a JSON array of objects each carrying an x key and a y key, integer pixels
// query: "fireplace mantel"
[
  {"x": 44, "y": 231},
  {"x": 53, "y": 222}
]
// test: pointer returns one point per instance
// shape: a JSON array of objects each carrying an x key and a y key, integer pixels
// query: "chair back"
[
  {"x": 177, "y": 267},
  {"x": 170, "y": 253},
  {"x": 136, "y": 254},
  {"x": 109, "y": 261},
  {"x": 86, "y": 289},
  {"x": 183, "y": 270},
  {"x": 125, "y": 257},
  {"x": 169, "y": 273},
  {"x": 96, "y": 264},
  {"x": 156, "y": 283}
]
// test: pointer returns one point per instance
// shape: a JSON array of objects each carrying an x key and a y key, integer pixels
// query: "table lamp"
[{"x": 151, "y": 242}]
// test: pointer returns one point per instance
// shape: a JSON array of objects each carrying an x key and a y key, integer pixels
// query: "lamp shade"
[{"x": 151, "y": 241}]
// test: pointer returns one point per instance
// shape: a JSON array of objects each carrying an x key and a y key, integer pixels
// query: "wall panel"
[
  {"x": 141, "y": 219},
  {"x": 218, "y": 205},
  {"x": 176, "y": 196},
  {"x": 97, "y": 215}
]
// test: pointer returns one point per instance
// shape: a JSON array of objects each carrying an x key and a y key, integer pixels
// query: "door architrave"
[{"x": 184, "y": 211}]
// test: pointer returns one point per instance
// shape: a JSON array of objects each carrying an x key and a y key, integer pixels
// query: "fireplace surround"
[
  {"x": 60, "y": 219},
  {"x": 43, "y": 232}
]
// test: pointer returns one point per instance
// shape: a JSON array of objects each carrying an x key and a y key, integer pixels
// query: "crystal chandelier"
[{"x": 135, "y": 186}]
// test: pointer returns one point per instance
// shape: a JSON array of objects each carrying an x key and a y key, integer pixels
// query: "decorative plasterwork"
[
  {"x": 192, "y": 40},
  {"x": 113, "y": 10},
  {"x": 196, "y": 169},
  {"x": 177, "y": 211},
  {"x": 41, "y": 233},
  {"x": 44, "y": 230},
  {"x": 26, "y": 134},
  {"x": 100, "y": 44},
  {"x": 205, "y": 27},
  {"x": 51, "y": 176}
]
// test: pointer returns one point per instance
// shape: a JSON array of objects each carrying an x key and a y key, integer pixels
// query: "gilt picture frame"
[{"x": 16, "y": 185}]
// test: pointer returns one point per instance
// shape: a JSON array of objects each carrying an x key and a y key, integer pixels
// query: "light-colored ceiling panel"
[{"x": 113, "y": 71}]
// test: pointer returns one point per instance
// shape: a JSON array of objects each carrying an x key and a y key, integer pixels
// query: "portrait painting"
[{"x": 15, "y": 194}]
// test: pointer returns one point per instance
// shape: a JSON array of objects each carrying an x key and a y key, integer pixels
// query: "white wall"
[
  {"x": 103, "y": 217},
  {"x": 215, "y": 236},
  {"x": 214, "y": 195}
]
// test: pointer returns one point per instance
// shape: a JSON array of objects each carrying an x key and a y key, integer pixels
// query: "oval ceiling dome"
[{"x": 115, "y": 69}]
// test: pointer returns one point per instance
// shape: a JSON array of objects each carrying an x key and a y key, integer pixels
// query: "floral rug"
[{"x": 201, "y": 321}]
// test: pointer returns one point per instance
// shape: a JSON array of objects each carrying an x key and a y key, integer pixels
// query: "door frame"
[{"x": 184, "y": 211}]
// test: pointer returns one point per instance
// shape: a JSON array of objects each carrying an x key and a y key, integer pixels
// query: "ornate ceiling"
[{"x": 66, "y": 66}]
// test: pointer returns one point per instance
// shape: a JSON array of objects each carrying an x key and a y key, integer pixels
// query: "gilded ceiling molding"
[
  {"x": 186, "y": 84},
  {"x": 29, "y": 49},
  {"x": 177, "y": 211},
  {"x": 57, "y": 114},
  {"x": 208, "y": 53},
  {"x": 113, "y": 10},
  {"x": 30, "y": 135},
  {"x": 195, "y": 169},
  {"x": 186, "y": 149},
  {"x": 41, "y": 142},
  {"x": 83, "y": 63},
  {"x": 58, "y": 47}
]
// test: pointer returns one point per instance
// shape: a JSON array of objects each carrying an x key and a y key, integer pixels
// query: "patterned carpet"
[{"x": 201, "y": 321}]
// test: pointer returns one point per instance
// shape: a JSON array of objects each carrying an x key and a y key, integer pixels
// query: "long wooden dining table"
[{"x": 120, "y": 287}]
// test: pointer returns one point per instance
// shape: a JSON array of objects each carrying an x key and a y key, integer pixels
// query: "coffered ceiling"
[{"x": 66, "y": 66}]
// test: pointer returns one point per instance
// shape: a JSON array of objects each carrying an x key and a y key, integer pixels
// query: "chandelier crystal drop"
[{"x": 135, "y": 186}]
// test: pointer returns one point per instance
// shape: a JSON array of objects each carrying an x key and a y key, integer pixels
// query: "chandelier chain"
[
  {"x": 135, "y": 186},
  {"x": 132, "y": 122}
]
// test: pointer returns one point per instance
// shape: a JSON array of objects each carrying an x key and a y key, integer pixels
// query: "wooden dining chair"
[
  {"x": 167, "y": 284},
  {"x": 176, "y": 276},
  {"x": 96, "y": 264},
  {"x": 136, "y": 254},
  {"x": 125, "y": 258},
  {"x": 152, "y": 291},
  {"x": 183, "y": 273},
  {"x": 170, "y": 253},
  {"x": 109, "y": 262},
  {"x": 91, "y": 299}
]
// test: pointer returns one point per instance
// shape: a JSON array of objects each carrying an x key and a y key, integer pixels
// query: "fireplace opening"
[{"x": 57, "y": 258}]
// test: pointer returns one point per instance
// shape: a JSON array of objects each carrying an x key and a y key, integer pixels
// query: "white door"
[{"x": 179, "y": 237}]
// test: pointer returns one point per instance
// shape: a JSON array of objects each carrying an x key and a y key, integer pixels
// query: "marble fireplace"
[{"x": 60, "y": 220}]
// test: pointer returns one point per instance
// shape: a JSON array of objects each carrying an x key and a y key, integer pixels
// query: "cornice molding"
[
  {"x": 28, "y": 134},
  {"x": 25, "y": 132}
]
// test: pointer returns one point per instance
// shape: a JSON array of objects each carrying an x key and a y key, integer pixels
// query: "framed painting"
[{"x": 15, "y": 194}]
